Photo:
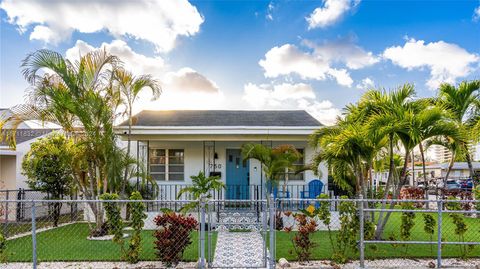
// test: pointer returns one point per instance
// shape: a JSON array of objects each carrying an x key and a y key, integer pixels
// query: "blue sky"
[{"x": 313, "y": 55}]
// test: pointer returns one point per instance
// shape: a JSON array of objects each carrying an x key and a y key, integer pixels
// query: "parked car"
[
  {"x": 453, "y": 184},
  {"x": 466, "y": 184}
]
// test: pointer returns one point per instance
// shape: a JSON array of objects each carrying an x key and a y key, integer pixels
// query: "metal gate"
[{"x": 237, "y": 234}]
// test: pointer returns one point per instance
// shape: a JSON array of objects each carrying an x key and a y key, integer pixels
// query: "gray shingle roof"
[{"x": 285, "y": 118}]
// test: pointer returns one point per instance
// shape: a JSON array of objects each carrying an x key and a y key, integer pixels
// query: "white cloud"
[
  {"x": 329, "y": 13},
  {"x": 446, "y": 61},
  {"x": 319, "y": 64},
  {"x": 138, "y": 64},
  {"x": 341, "y": 76},
  {"x": 160, "y": 22},
  {"x": 270, "y": 8},
  {"x": 289, "y": 59},
  {"x": 259, "y": 96},
  {"x": 344, "y": 51},
  {"x": 476, "y": 14},
  {"x": 189, "y": 80},
  {"x": 289, "y": 96},
  {"x": 182, "y": 89},
  {"x": 46, "y": 34},
  {"x": 324, "y": 110},
  {"x": 366, "y": 83}
]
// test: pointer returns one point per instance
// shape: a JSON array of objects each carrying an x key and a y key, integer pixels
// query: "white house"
[{"x": 175, "y": 145}]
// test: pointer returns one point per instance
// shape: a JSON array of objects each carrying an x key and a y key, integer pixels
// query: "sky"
[{"x": 311, "y": 55}]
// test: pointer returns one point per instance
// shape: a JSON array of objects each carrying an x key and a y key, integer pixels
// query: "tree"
[
  {"x": 81, "y": 97},
  {"x": 47, "y": 166},
  {"x": 201, "y": 186},
  {"x": 130, "y": 87},
  {"x": 348, "y": 152},
  {"x": 275, "y": 161},
  {"x": 463, "y": 105}
]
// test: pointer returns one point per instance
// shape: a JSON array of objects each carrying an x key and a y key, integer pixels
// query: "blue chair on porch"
[
  {"x": 277, "y": 191},
  {"x": 315, "y": 188}
]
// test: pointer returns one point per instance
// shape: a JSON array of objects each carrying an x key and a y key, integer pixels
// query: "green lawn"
[
  {"x": 14, "y": 228},
  {"x": 69, "y": 243},
  {"x": 324, "y": 249}
]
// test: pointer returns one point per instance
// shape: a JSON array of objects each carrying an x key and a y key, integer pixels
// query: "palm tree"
[
  {"x": 463, "y": 104},
  {"x": 348, "y": 152},
  {"x": 80, "y": 97},
  {"x": 452, "y": 145},
  {"x": 130, "y": 87},
  {"x": 275, "y": 161},
  {"x": 201, "y": 187}
]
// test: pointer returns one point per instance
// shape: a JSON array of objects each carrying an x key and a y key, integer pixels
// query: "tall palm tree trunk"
[
  {"x": 469, "y": 160},
  {"x": 125, "y": 173},
  {"x": 401, "y": 182},
  {"x": 391, "y": 168},
  {"x": 450, "y": 166},
  {"x": 422, "y": 154}
]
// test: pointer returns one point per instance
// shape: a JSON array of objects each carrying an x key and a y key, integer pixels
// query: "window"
[
  {"x": 297, "y": 165},
  {"x": 167, "y": 164}
]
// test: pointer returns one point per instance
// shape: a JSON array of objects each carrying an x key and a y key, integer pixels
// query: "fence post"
[
  {"x": 439, "y": 234},
  {"x": 34, "y": 237},
  {"x": 5, "y": 227},
  {"x": 362, "y": 231},
  {"x": 202, "y": 232},
  {"x": 272, "y": 231},
  {"x": 265, "y": 213}
]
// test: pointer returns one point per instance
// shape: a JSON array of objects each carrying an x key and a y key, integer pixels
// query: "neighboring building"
[
  {"x": 434, "y": 171},
  {"x": 441, "y": 154},
  {"x": 11, "y": 177},
  {"x": 476, "y": 154},
  {"x": 175, "y": 145},
  {"x": 459, "y": 170}
]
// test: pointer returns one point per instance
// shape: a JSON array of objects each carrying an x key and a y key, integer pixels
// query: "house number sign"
[{"x": 215, "y": 166}]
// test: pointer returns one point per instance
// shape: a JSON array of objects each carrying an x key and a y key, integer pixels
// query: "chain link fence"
[
  {"x": 368, "y": 233},
  {"x": 320, "y": 233}
]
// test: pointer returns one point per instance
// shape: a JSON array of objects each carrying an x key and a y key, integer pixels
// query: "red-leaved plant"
[
  {"x": 302, "y": 241},
  {"x": 413, "y": 193},
  {"x": 173, "y": 236}
]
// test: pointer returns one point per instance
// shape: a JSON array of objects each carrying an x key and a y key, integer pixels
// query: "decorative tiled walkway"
[{"x": 239, "y": 250}]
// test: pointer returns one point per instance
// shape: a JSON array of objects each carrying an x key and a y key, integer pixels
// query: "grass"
[
  {"x": 324, "y": 249},
  {"x": 69, "y": 243},
  {"x": 14, "y": 228}
]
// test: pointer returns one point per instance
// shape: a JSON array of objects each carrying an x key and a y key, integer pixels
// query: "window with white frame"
[
  {"x": 166, "y": 164},
  {"x": 300, "y": 163}
]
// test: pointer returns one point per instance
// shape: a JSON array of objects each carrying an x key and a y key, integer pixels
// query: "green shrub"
[
  {"x": 429, "y": 227},
  {"x": 137, "y": 211},
  {"x": 476, "y": 193},
  {"x": 115, "y": 223},
  {"x": 349, "y": 227},
  {"x": 48, "y": 168},
  {"x": 325, "y": 216},
  {"x": 3, "y": 249},
  {"x": 408, "y": 221},
  {"x": 460, "y": 226}
]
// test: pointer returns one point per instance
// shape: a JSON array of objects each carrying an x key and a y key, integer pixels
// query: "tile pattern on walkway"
[
  {"x": 239, "y": 220},
  {"x": 239, "y": 250}
]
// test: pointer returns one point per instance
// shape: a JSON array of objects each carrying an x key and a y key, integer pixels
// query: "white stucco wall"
[
  {"x": 7, "y": 172},
  {"x": 193, "y": 159}
]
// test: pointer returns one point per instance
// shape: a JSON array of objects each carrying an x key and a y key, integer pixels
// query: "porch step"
[{"x": 239, "y": 220}]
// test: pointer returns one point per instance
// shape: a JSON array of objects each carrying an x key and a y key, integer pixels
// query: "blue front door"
[{"x": 238, "y": 180}]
